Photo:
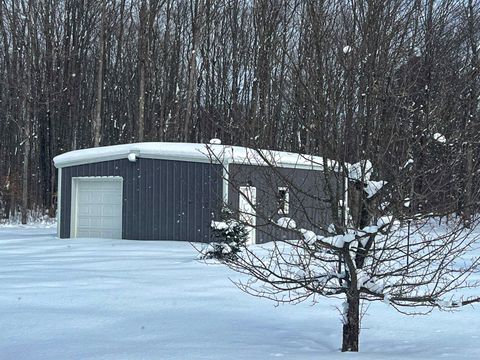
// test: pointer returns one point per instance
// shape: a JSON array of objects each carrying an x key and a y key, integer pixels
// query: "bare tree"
[{"x": 409, "y": 262}]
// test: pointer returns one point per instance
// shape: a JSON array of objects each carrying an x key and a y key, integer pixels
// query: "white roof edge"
[{"x": 204, "y": 153}]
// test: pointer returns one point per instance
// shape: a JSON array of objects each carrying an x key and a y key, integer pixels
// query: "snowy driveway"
[{"x": 117, "y": 299}]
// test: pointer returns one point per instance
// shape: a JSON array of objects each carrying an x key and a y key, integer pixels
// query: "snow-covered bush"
[
  {"x": 287, "y": 223},
  {"x": 228, "y": 238}
]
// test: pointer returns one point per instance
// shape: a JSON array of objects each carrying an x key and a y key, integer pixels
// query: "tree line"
[{"x": 395, "y": 82}]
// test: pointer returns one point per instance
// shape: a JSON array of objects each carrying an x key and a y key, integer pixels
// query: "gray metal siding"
[
  {"x": 310, "y": 202},
  {"x": 162, "y": 199}
]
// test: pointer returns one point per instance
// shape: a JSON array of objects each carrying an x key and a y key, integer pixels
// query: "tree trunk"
[
  {"x": 467, "y": 193},
  {"x": 97, "y": 125},
  {"x": 141, "y": 104},
  {"x": 26, "y": 158},
  {"x": 351, "y": 326},
  {"x": 142, "y": 58},
  {"x": 192, "y": 69}
]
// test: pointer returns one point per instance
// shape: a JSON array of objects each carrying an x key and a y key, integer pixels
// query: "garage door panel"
[
  {"x": 84, "y": 197},
  {"x": 111, "y": 234},
  {"x": 111, "y": 197},
  {"x": 83, "y": 211},
  {"x": 104, "y": 186},
  {"x": 107, "y": 222},
  {"x": 99, "y": 208},
  {"x": 95, "y": 210},
  {"x": 109, "y": 210},
  {"x": 91, "y": 227},
  {"x": 85, "y": 222},
  {"x": 83, "y": 233}
]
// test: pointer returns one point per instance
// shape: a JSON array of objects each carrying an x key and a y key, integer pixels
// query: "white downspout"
[
  {"x": 227, "y": 159},
  {"x": 345, "y": 202}
]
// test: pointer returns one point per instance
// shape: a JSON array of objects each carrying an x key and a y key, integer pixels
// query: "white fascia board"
[
  {"x": 282, "y": 164},
  {"x": 166, "y": 151},
  {"x": 203, "y": 153},
  {"x": 200, "y": 159},
  {"x": 139, "y": 154}
]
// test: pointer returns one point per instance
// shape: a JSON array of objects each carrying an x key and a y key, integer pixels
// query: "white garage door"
[{"x": 97, "y": 207}]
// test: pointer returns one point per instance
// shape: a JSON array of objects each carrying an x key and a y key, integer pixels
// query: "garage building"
[{"x": 173, "y": 191}]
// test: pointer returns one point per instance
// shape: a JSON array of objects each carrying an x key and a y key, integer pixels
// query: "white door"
[
  {"x": 97, "y": 207},
  {"x": 246, "y": 207}
]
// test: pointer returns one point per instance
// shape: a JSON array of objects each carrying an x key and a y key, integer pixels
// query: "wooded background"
[{"x": 395, "y": 82}]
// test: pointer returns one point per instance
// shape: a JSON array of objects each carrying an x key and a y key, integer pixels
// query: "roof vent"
[
  {"x": 215, "y": 141},
  {"x": 132, "y": 157}
]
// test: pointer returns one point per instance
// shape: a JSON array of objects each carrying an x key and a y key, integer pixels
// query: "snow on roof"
[{"x": 205, "y": 153}]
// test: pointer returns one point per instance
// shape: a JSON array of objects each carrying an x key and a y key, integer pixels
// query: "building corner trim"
[{"x": 59, "y": 201}]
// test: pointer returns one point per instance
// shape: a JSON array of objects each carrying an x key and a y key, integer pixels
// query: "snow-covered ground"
[{"x": 118, "y": 299}]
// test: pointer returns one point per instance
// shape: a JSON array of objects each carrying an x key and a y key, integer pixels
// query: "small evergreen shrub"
[{"x": 228, "y": 238}]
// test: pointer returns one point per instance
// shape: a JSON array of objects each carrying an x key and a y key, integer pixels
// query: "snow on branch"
[{"x": 362, "y": 172}]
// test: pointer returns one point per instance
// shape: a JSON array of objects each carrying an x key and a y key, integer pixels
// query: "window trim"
[{"x": 284, "y": 200}]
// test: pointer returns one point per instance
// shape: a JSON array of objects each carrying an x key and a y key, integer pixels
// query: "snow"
[
  {"x": 362, "y": 278},
  {"x": 439, "y": 137},
  {"x": 208, "y": 251},
  {"x": 370, "y": 229},
  {"x": 408, "y": 162},
  {"x": 219, "y": 225},
  {"x": 372, "y": 187},
  {"x": 339, "y": 240},
  {"x": 386, "y": 299},
  {"x": 34, "y": 220},
  {"x": 444, "y": 303},
  {"x": 331, "y": 229},
  {"x": 205, "y": 153},
  {"x": 117, "y": 299},
  {"x": 215, "y": 141},
  {"x": 360, "y": 171},
  {"x": 370, "y": 285},
  {"x": 301, "y": 274},
  {"x": 384, "y": 220},
  {"x": 286, "y": 223},
  {"x": 309, "y": 236},
  {"x": 383, "y": 205},
  {"x": 226, "y": 249},
  {"x": 132, "y": 157}
]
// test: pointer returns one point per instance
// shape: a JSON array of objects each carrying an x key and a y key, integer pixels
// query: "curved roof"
[{"x": 190, "y": 152}]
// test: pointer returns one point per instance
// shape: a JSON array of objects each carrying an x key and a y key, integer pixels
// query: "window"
[{"x": 283, "y": 200}]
